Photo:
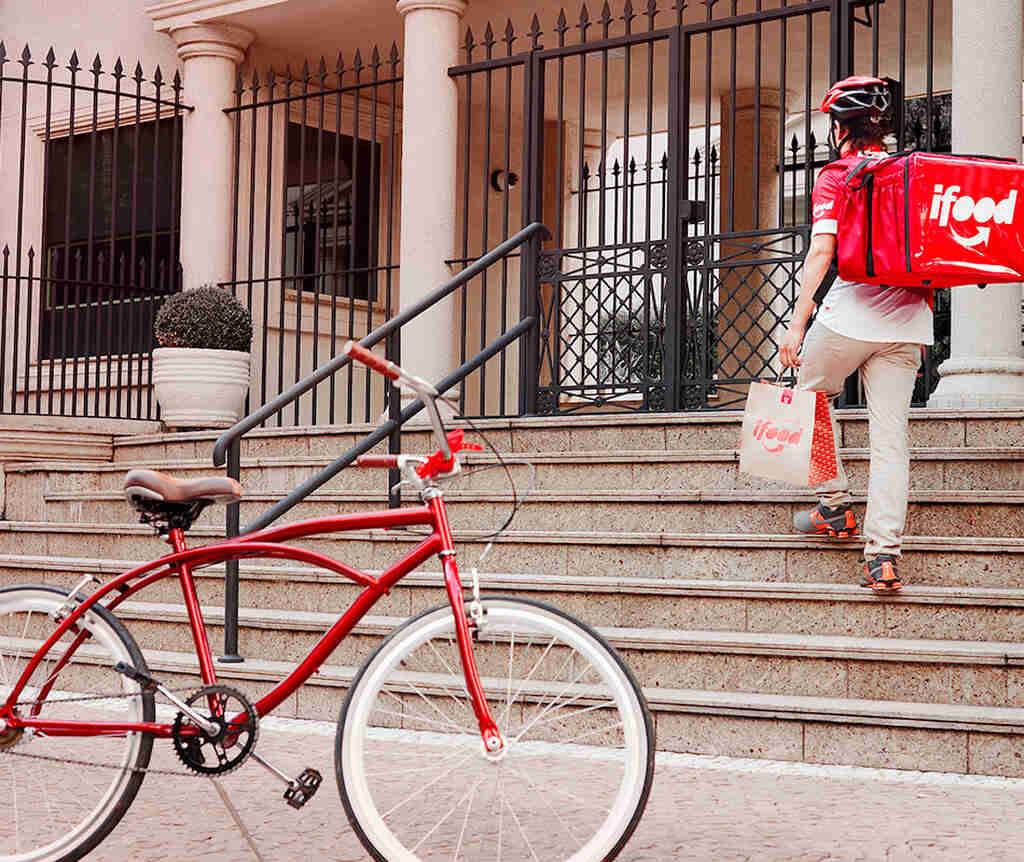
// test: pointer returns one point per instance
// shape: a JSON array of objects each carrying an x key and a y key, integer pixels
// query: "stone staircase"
[{"x": 749, "y": 641}]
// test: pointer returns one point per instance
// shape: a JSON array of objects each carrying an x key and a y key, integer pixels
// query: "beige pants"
[{"x": 888, "y": 372}]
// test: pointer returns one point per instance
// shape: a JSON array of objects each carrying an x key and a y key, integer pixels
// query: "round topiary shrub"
[{"x": 208, "y": 318}]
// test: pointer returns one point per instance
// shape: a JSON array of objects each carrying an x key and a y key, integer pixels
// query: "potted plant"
[{"x": 201, "y": 368}]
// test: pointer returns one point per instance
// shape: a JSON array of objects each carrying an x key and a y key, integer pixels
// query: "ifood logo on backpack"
[{"x": 976, "y": 216}]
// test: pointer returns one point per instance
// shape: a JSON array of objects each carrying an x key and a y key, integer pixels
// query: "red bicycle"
[{"x": 490, "y": 729}]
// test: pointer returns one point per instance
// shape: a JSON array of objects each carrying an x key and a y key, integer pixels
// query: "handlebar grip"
[
  {"x": 372, "y": 360},
  {"x": 377, "y": 461}
]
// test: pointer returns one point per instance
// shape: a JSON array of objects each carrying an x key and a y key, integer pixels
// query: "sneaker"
[
  {"x": 838, "y": 523},
  {"x": 880, "y": 574}
]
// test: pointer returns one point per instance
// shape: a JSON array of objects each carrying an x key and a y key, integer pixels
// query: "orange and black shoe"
[
  {"x": 880, "y": 574},
  {"x": 838, "y": 523}
]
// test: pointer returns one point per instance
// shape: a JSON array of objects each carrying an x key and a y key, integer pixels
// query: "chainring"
[{"x": 232, "y": 743}]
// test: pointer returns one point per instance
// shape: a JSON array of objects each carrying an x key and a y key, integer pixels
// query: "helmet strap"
[{"x": 836, "y": 146}]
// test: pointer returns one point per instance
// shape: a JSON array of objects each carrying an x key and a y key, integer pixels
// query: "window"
[
  {"x": 110, "y": 238},
  {"x": 332, "y": 213}
]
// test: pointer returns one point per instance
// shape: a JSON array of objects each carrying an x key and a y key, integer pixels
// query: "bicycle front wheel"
[
  {"x": 577, "y": 768},
  {"x": 63, "y": 795}
]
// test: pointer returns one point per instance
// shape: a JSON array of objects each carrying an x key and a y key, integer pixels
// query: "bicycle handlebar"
[
  {"x": 386, "y": 461},
  {"x": 372, "y": 360}
]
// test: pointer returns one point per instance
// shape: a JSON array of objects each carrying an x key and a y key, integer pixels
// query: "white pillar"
[
  {"x": 210, "y": 55},
  {"x": 986, "y": 364},
  {"x": 430, "y": 115}
]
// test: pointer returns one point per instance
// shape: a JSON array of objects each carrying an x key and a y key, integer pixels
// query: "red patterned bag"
[{"x": 787, "y": 436}]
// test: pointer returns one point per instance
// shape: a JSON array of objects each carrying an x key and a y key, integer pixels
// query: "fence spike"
[
  {"x": 31, "y": 252},
  {"x": 696, "y": 155},
  {"x": 584, "y": 23},
  {"x": 271, "y": 78},
  {"x": 239, "y": 85},
  {"x": 632, "y": 164},
  {"x": 322, "y": 71},
  {"x": 375, "y": 58},
  {"x": 97, "y": 65},
  {"x": 3, "y": 53},
  {"x": 488, "y": 36},
  {"x": 714, "y": 155},
  {"x": 176, "y": 80},
  {"x": 357, "y": 63},
  {"x": 26, "y": 58},
  {"x": 7, "y": 251},
  {"x": 138, "y": 72},
  {"x": 616, "y": 170},
  {"x": 305, "y": 70},
  {"x": 51, "y": 59},
  {"x": 606, "y": 18},
  {"x": 394, "y": 54},
  {"x": 812, "y": 142},
  {"x": 651, "y": 11},
  {"x": 561, "y": 25},
  {"x": 158, "y": 76},
  {"x": 118, "y": 68},
  {"x": 664, "y": 161},
  {"x": 469, "y": 42},
  {"x": 509, "y": 36},
  {"x": 586, "y": 171},
  {"x": 628, "y": 14},
  {"x": 535, "y": 33},
  {"x": 339, "y": 67}
]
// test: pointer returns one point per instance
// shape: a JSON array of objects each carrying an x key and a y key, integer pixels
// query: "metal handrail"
[
  {"x": 228, "y": 445},
  {"x": 259, "y": 416}
]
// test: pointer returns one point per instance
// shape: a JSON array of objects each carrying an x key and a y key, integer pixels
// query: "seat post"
[{"x": 176, "y": 538}]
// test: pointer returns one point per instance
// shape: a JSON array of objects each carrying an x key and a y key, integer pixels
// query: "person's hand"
[{"x": 790, "y": 346}]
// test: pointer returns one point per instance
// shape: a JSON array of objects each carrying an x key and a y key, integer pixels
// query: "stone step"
[
  {"x": 987, "y": 673},
  {"x": 622, "y": 432},
  {"x": 982, "y": 740},
  {"x": 933, "y": 560},
  {"x": 939, "y": 513},
  {"x": 941, "y": 613},
  {"x": 949, "y": 468}
]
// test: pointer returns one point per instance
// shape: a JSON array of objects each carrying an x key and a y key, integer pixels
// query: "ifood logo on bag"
[
  {"x": 948, "y": 203},
  {"x": 774, "y": 437}
]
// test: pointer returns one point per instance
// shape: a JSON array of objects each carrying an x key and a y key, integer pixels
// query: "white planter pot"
[{"x": 200, "y": 388}]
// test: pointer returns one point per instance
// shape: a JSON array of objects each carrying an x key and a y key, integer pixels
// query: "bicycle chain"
[{"x": 10, "y": 752}]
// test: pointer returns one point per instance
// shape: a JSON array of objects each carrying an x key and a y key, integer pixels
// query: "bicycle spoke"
[
  {"x": 562, "y": 792},
  {"x": 447, "y": 718},
  {"x": 533, "y": 670},
  {"x": 551, "y": 704},
  {"x": 427, "y": 786},
  {"x": 433, "y": 766},
  {"x": 522, "y": 831},
  {"x": 465, "y": 820},
  {"x": 450, "y": 671},
  {"x": 548, "y": 805},
  {"x": 605, "y": 704}
]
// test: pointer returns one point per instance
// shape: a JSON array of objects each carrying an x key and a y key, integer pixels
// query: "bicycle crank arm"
[
  {"x": 298, "y": 790},
  {"x": 148, "y": 683}
]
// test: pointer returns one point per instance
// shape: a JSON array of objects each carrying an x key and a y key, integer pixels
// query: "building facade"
[{"x": 332, "y": 163}]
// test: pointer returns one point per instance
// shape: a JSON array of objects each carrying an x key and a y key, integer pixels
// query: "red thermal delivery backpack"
[{"x": 925, "y": 219}]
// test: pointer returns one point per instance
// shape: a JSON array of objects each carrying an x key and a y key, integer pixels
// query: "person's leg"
[
  {"x": 827, "y": 359},
  {"x": 889, "y": 376}
]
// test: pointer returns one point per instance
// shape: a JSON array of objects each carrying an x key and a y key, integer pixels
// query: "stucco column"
[
  {"x": 210, "y": 55},
  {"x": 430, "y": 115},
  {"x": 747, "y": 294},
  {"x": 986, "y": 364}
]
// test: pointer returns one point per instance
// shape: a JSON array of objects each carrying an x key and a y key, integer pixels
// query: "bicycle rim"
[
  {"x": 56, "y": 810},
  {"x": 575, "y": 776}
]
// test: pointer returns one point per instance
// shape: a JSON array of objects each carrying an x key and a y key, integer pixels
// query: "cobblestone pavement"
[{"x": 701, "y": 809}]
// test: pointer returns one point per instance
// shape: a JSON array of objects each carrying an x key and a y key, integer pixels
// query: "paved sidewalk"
[{"x": 700, "y": 809}]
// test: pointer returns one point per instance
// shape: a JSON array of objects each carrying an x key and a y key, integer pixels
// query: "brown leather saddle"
[{"x": 166, "y": 502}]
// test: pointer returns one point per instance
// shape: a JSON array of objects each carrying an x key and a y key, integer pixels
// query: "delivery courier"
[{"x": 862, "y": 326}]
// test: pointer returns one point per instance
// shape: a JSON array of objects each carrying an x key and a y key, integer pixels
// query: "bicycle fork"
[{"x": 493, "y": 742}]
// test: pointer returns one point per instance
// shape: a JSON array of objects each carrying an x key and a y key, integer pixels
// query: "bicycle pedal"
[
  {"x": 303, "y": 788},
  {"x": 144, "y": 679}
]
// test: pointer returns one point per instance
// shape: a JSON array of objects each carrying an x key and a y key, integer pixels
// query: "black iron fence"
[
  {"x": 672, "y": 148},
  {"x": 89, "y": 231},
  {"x": 316, "y": 218}
]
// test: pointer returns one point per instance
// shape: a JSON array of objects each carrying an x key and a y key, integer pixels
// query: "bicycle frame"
[{"x": 270, "y": 544}]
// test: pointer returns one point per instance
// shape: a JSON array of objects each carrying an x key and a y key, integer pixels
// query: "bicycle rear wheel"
[
  {"x": 56, "y": 806},
  {"x": 572, "y": 782}
]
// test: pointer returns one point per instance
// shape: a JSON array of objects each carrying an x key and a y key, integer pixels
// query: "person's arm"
[{"x": 816, "y": 264}]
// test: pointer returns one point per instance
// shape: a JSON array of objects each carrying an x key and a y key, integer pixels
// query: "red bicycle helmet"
[{"x": 857, "y": 96}]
